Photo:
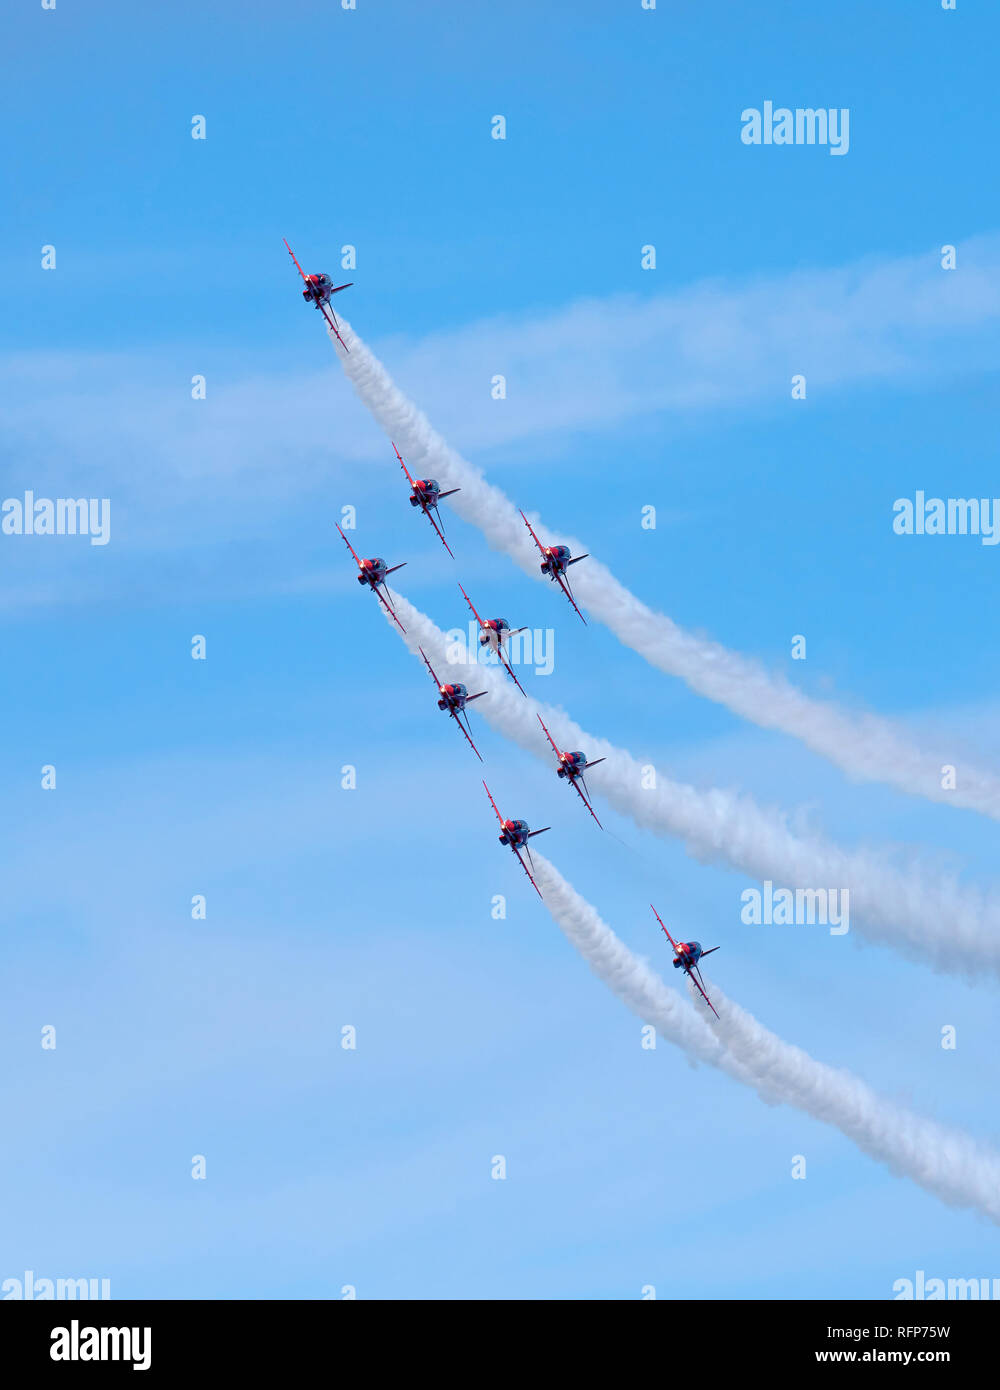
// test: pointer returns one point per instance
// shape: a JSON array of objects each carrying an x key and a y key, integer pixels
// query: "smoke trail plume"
[
  {"x": 863, "y": 746},
  {"x": 945, "y": 1162},
  {"x": 929, "y": 918}
]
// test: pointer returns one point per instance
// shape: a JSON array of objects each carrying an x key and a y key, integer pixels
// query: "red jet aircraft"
[
  {"x": 426, "y": 494},
  {"x": 687, "y": 954},
  {"x": 373, "y": 573},
  {"x": 516, "y": 834},
  {"x": 572, "y": 766},
  {"x": 318, "y": 289},
  {"x": 492, "y": 632},
  {"x": 454, "y": 699},
  {"x": 556, "y": 560}
]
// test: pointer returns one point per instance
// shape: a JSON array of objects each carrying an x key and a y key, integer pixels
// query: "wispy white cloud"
[
  {"x": 717, "y": 344},
  {"x": 186, "y": 474}
]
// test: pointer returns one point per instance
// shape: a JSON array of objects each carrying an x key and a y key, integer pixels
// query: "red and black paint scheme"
[
  {"x": 425, "y": 493},
  {"x": 318, "y": 291},
  {"x": 454, "y": 699},
  {"x": 516, "y": 834},
  {"x": 572, "y": 766},
  {"x": 556, "y": 560},
  {"x": 492, "y": 633},
  {"x": 373, "y": 572},
  {"x": 687, "y": 954}
]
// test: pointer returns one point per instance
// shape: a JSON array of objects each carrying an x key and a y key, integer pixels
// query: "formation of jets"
[{"x": 453, "y": 697}]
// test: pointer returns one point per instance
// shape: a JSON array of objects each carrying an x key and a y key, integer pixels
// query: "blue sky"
[{"x": 371, "y": 907}]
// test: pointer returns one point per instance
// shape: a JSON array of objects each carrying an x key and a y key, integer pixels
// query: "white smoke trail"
[
  {"x": 864, "y": 746},
  {"x": 929, "y": 918},
  {"x": 945, "y": 1162}
]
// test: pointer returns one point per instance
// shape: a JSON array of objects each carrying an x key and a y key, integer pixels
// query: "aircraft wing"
[
  {"x": 350, "y": 548},
  {"x": 526, "y": 869},
  {"x": 336, "y": 290},
  {"x": 586, "y": 803},
  {"x": 566, "y": 590},
  {"x": 697, "y": 983},
  {"x": 468, "y": 736},
  {"x": 494, "y": 805},
  {"x": 332, "y": 322},
  {"x": 297, "y": 266},
  {"x": 507, "y": 667},
  {"x": 388, "y": 607},
  {"x": 431, "y": 669},
  {"x": 660, "y": 920},
  {"x": 437, "y": 528},
  {"x": 547, "y": 734},
  {"x": 402, "y": 465},
  {"x": 533, "y": 536},
  {"x": 469, "y": 602}
]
